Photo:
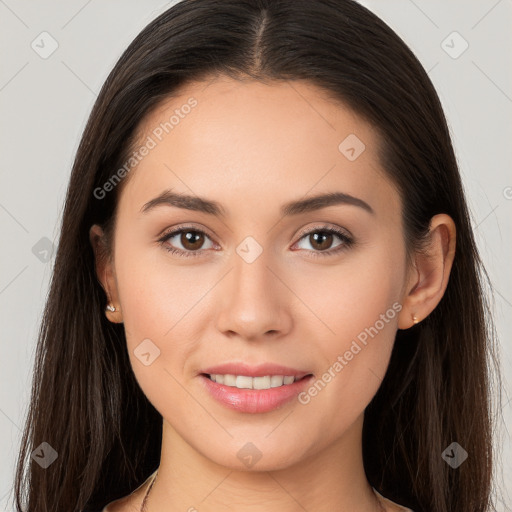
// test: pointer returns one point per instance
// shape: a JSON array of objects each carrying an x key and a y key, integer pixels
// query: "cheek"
[
  {"x": 159, "y": 304},
  {"x": 158, "y": 295},
  {"x": 352, "y": 296},
  {"x": 359, "y": 303}
]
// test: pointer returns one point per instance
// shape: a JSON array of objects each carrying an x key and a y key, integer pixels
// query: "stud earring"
[
  {"x": 415, "y": 319},
  {"x": 110, "y": 307}
]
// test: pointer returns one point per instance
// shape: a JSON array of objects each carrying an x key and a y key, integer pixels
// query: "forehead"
[
  {"x": 232, "y": 111},
  {"x": 282, "y": 137}
]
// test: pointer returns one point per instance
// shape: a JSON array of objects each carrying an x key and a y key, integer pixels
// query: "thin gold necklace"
[{"x": 143, "y": 506}]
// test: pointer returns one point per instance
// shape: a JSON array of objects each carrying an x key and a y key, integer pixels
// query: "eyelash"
[{"x": 347, "y": 241}]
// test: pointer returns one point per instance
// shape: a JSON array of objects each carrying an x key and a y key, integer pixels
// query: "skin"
[{"x": 253, "y": 147}]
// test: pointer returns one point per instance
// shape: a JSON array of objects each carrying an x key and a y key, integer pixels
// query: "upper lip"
[{"x": 261, "y": 370}]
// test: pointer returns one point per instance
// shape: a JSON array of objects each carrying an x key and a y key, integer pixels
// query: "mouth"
[
  {"x": 250, "y": 389},
  {"x": 258, "y": 383}
]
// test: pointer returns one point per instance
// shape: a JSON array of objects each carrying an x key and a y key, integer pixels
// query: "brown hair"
[{"x": 85, "y": 400}]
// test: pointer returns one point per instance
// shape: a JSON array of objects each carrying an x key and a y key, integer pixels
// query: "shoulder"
[
  {"x": 129, "y": 503},
  {"x": 113, "y": 506},
  {"x": 132, "y": 502},
  {"x": 391, "y": 506}
]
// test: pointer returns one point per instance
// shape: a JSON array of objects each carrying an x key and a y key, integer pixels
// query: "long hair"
[{"x": 86, "y": 403}]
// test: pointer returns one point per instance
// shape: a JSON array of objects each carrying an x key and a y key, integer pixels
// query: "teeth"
[
  {"x": 246, "y": 382},
  {"x": 243, "y": 382},
  {"x": 229, "y": 380},
  {"x": 276, "y": 381},
  {"x": 261, "y": 382}
]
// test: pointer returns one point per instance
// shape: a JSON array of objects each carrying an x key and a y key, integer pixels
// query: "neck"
[{"x": 331, "y": 479}]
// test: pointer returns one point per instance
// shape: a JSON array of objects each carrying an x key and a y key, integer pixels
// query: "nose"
[{"x": 254, "y": 303}]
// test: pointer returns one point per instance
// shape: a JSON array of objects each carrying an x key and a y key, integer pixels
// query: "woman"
[{"x": 267, "y": 293}]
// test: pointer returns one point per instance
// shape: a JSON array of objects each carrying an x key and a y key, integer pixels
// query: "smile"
[{"x": 247, "y": 382}]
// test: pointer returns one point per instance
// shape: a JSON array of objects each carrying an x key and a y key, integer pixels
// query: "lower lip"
[{"x": 254, "y": 400}]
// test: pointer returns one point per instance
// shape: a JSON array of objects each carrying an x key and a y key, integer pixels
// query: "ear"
[
  {"x": 429, "y": 277},
  {"x": 105, "y": 271}
]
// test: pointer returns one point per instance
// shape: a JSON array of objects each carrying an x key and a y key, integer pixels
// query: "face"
[{"x": 314, "y": 288}]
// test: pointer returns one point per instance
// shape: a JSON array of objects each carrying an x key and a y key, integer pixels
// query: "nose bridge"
[
  {"x": 251, "y": 276},
  {"x": 253, "y": 302}
]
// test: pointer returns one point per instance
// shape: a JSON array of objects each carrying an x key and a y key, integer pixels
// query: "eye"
[
  {"x": 190, "y": 239},
  {"x": 321, "y": 240}
]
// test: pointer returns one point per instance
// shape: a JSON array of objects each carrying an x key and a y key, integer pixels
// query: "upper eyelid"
[
  {"x": 337, "y": 230},
  {"x": 166, "y": 234}
]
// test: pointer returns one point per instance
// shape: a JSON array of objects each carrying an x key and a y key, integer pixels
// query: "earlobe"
[
  {"x": 433, "y": 267},
  {"x": 105, "y": 273}
]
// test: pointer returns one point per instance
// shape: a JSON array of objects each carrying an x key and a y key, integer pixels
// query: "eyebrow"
[{"x": 201, "y": 204}]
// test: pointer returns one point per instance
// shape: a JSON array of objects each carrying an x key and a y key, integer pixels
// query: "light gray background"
[{"x": 45, "y": 104}]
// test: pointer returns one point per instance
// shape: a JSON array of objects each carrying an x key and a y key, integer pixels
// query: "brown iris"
[
  {"x": 192, "y": 239},
  {"x": 318, "y": 238}
]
